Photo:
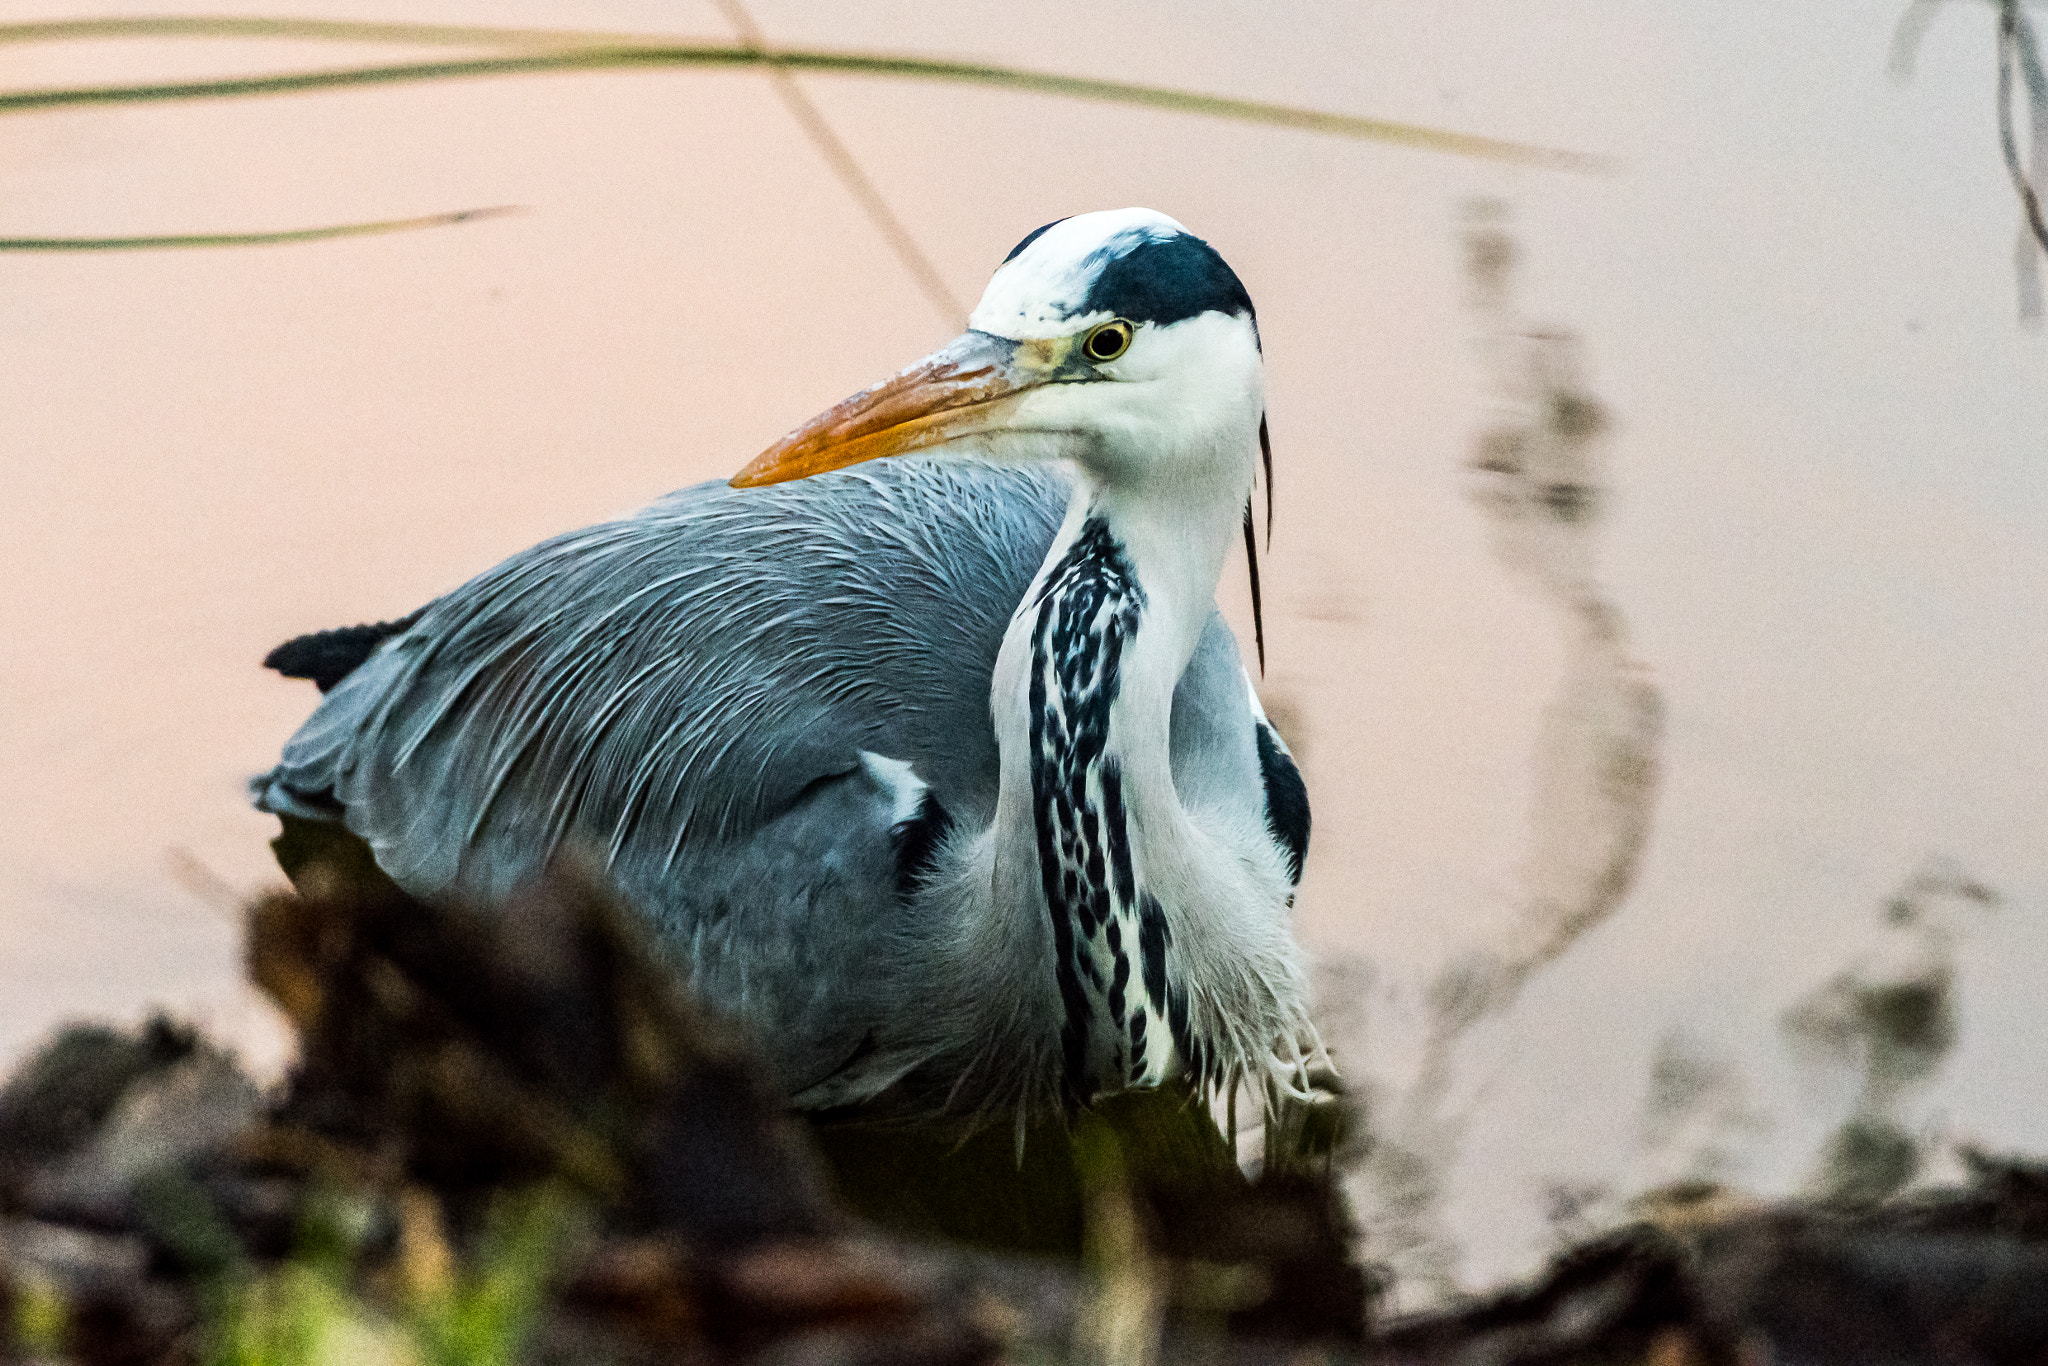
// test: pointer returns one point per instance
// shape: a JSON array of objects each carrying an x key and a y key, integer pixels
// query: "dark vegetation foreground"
[{"x": 510, "y": 1139}]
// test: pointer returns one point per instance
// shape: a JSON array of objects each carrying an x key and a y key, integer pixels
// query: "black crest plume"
[{"x": 1251, "y": 543}]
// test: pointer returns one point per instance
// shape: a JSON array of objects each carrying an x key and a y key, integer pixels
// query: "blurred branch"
[
  {"x": 1906, "y": 38},
  {"x": 251, "y": 239},
  {"x": 645, "y": 55},
  {"x": 2018, "y": 49}
]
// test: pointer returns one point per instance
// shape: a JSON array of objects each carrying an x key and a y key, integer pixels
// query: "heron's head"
[{"x": 1117, "y": 340}]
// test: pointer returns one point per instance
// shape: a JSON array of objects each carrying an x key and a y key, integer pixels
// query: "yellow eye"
[{"x": 1108, "y": 341}]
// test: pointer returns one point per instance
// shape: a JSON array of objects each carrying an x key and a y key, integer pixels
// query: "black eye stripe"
[{"x": 1140, "y": 274}]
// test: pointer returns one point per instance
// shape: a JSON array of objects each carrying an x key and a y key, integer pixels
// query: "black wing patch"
[
  {"x": 917, "y": 843},
  {"x": 327, "y": 657},
  {"x": 1286, "y": 800}
]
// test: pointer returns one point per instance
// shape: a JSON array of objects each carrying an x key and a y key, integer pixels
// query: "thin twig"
[
  {"x": 251, "y": 239},
  {"x": 652, "y": 56},
  {"x": 841, "y": 159},
  {"x": 212, "y": 890},
  {"x": 2030, "y": 61},
  {"x": 2010, "y": 55}
]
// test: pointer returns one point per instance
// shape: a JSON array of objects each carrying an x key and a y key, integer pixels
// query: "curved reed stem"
[{"x": 574, "y": 53}]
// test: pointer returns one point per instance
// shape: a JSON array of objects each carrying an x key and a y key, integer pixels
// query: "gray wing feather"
[{"x": 685, "y": 693}]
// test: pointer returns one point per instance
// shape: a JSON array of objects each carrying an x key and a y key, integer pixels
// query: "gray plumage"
[
  {"x": 921, "y": 743},
  {"x": 685, "y": 694}
]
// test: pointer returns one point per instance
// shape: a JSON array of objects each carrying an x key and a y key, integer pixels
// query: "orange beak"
[{"x": 960, "y": 390}]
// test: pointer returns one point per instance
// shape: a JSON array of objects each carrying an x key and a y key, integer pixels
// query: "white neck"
[
  {"x": 1176, "y": 549},
  {"x": 1099, "y": 935}
]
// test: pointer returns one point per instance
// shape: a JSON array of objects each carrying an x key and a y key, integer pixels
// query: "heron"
[{"x": 920, "y": 743}]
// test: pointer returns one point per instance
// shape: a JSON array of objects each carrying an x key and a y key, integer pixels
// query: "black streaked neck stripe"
[{"x": 1110, "y": 935}]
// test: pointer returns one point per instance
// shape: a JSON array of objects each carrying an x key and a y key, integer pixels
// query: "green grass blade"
[
  {"x": 1191, "y": 102},
  {"x": 251, "y": 239},
  {"x": 403, "y": 73},
  {"x": 650, "y": 56},
  {"x": 315, "y": 30}
]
